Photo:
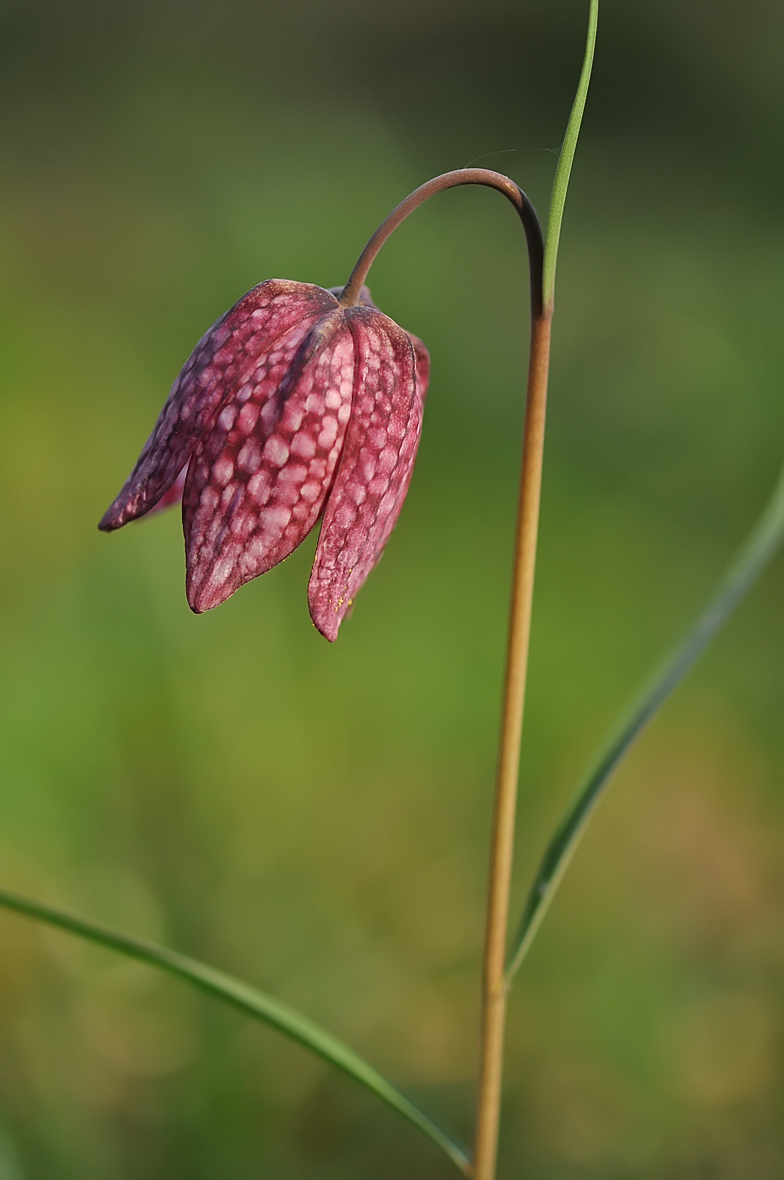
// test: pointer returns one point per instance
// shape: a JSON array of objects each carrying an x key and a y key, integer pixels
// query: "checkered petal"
[
  {"x": 171, "y": 496},
  {"x": 291, "y": 407},
  {"x": 390, "y": 382},
  {"x": 219, "y": 364},
  {"x": 257, "y": 482}
]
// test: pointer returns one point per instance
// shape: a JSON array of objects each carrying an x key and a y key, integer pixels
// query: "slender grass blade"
[
  {"x": 758, "y": 549},
  {"x": 566, "y": 158},
  {"x": 253, "y": 1003}
]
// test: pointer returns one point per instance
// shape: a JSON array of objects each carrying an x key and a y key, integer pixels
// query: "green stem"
[
  {"x": 758, "y": 549},
  {"x": 250, "y": 1001}
]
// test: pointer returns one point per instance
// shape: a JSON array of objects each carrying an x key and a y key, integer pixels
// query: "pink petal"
[
  {"x": 422, "y": 367},
  {"x": 172, "y": 496},
  {"x": 376, "y": 465},
  {"x": 257, "y": 482},
  {"x": 216, "y": 368}
]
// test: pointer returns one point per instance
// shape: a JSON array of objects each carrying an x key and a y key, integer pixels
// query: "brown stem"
[
  {"x": 494, "y": 987},
  {"x": 533, "y": 231},
  {"x": 502, "y": 842}
]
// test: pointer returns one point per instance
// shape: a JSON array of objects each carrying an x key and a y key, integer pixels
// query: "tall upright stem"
[
  {"x": 502, "y": 845},
  {"x": 494, "y": 987}
]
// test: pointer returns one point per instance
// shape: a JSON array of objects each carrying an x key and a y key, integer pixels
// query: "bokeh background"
[{"x": 315, "y": 818}]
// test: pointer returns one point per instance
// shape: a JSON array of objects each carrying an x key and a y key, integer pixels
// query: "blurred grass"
[{"x": 315, "y": 818}]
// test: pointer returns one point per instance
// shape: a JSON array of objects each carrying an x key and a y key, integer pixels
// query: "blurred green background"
[{"x": 315, "y": 818}]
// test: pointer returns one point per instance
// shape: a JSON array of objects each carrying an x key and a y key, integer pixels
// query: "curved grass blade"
[
  {"x": 566, "y": 158},
  {"x": 253, "y": 1003},
  {"x": 759, "y": 547}
]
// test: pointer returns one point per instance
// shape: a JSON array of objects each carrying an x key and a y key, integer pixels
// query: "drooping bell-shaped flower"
[{"x": 291, "y": 407}]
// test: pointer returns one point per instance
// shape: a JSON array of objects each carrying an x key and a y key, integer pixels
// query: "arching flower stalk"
[
  {"x": 304, "y": 402},
  {"x": 299, "y": 403}
]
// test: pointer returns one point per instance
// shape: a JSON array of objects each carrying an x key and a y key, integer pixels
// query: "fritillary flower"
[{"x": 291, "y": 408}]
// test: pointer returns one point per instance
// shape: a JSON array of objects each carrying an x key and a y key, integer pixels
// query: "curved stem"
[
  {"x": 533, "y": 231},
  {"x": 494, "y": 988},
  {"x": 542, "y": 274}
]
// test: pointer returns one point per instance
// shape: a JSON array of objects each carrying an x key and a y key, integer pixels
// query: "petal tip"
[
  {"x": 326, "y": 614},
  {"x": 121, "y": 512},
  {"x": 206, "y": 597},
  {"x": 328, "y": 630},
  {"x": 116, "y": 516},
  {"x": 208, "y": 584},
  {"x": 194, "y": 601}
]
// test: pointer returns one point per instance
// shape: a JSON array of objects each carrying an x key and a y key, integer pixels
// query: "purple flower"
[{"x": 290, "y": 408}]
